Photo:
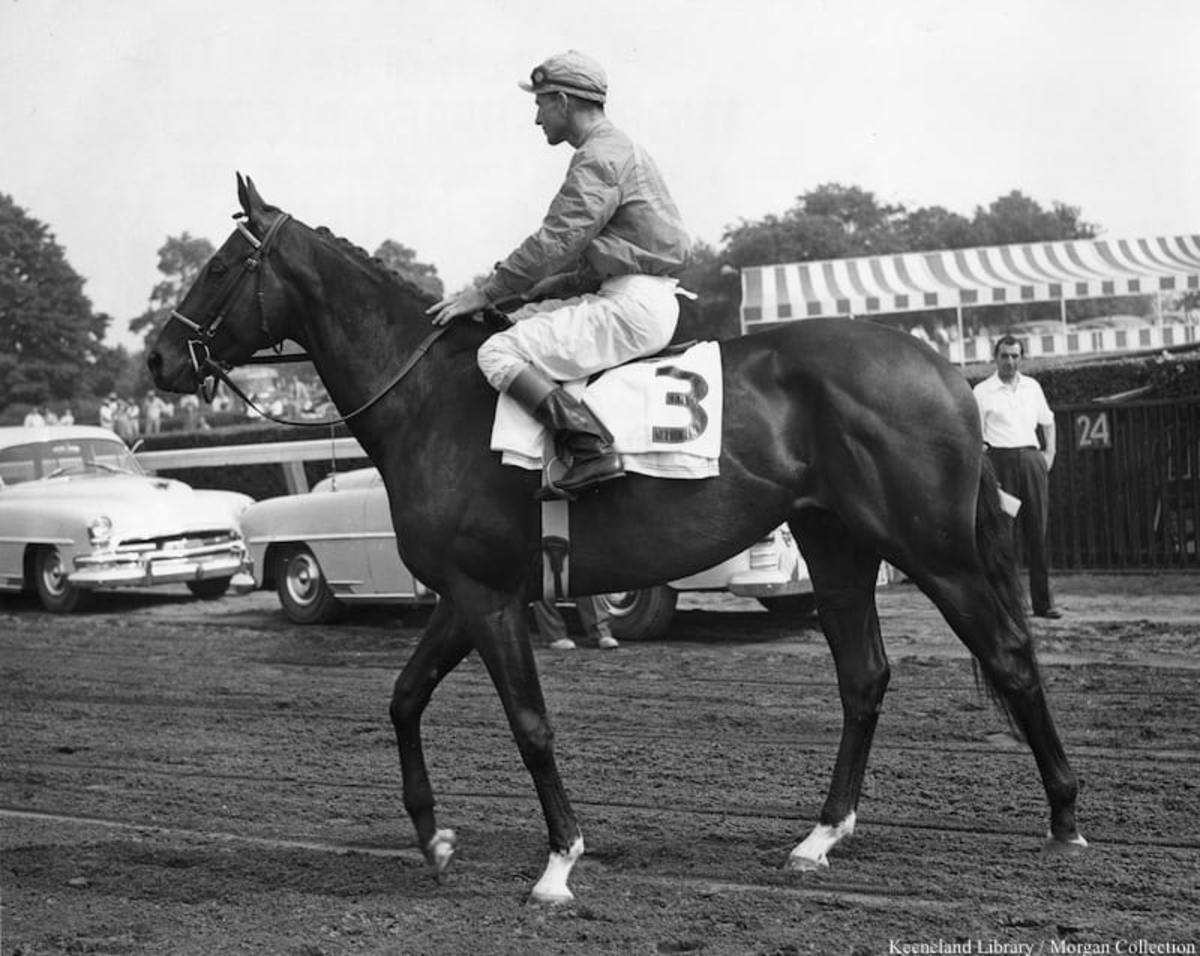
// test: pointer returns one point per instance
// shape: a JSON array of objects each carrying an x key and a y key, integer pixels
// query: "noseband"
[{"x": 207, "y": 369}]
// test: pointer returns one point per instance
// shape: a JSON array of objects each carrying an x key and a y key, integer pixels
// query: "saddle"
[{"x": 664, "y": 412}]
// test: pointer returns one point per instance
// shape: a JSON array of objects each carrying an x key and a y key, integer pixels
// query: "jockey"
[{"x": 604, "y": 265}]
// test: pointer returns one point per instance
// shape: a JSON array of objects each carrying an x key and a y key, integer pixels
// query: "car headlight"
[{"x": 100, "y": 531}]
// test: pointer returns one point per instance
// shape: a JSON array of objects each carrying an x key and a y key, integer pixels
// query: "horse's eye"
[{"x": 216, "y": 268}]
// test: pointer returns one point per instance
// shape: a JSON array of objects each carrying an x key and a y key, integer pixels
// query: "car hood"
[{"x": 137, "y": 504}]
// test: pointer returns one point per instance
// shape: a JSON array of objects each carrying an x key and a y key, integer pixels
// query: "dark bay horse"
[{"x": 862, "y": 439}]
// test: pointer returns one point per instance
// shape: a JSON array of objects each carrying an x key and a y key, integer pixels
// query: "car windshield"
[{"x": 74, "y": 456}]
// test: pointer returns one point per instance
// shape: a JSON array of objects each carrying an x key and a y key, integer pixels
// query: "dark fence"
[{"x": 1125, "y": 488}]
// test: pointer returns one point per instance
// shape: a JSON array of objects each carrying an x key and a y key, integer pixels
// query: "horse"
[{"x": 863, "y": 440}]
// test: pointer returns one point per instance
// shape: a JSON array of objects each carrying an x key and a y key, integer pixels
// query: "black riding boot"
[{"x": 581, "y": 441}]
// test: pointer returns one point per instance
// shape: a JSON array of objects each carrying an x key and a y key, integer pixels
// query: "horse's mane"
[{"x": 376, "y": 265}]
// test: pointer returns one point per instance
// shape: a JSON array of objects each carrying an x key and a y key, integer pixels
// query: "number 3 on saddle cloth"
[{"x": 664, "y": 413}]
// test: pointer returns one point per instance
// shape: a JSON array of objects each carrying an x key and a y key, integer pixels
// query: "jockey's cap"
[{"x": 571, "y": 72}]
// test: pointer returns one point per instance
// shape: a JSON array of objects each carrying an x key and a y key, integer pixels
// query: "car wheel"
[
  {"x": 791, "y": 605},
  {"x": 640, "y": 615},
  {"x": 57, "y": 594},
  {"x": 209, "y": 589},
  {"x": 302, "y": 588}
]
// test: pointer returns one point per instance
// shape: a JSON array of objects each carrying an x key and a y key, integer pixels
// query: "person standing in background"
[
  {"x": 1012, "y": 408},
  {"x": 593, "y": 614}
]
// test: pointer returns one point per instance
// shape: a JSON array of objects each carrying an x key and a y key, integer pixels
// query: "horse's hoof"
[
  {"x": 440, "y": 851},
  {"x": 544, "y": 898},
  {"x": 1064, "y": 849},
  {"x": 805, "y": 864},
  {"x": 551, "y": 887}
]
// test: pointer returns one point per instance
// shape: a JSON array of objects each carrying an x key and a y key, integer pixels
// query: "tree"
[
  {"x": 48, "y": 331},
  {"x": 1017, "y": 218},
  {"x": 403, "y": 261},
  {"x": 117, "y": 371},
  {"x": 829, "y": 222},
  {"x": 180, "y": 260},
  {"x": 933, "y": 227},
  {"x": 718, "y": 288}
]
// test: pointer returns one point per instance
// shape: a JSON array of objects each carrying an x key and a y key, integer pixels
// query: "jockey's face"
[{"x": 553, "y": 116}]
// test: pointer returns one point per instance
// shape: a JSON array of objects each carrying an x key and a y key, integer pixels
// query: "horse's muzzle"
[{"x": 171, "y": 376}]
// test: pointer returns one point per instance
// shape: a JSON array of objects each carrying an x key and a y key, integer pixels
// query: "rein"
[
  {"x": 220, "y": 373},
  {"x": 209, "y": 370}
]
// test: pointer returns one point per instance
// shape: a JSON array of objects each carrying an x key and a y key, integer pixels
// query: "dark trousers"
[
  {"x": 1022, "y": 472},
  {"x": 592, "y": 615}
]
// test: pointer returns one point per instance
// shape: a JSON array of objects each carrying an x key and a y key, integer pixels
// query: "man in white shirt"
[{"x": 1012, "y": 408}]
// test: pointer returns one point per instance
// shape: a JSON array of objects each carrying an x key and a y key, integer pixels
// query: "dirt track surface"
[{"x": 189, "y": 778}]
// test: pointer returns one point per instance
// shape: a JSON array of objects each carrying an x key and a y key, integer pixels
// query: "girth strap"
[{"x": 556, "y": 539}]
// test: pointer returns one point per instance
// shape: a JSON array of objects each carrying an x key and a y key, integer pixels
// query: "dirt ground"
[{"x": 180, "y": 777}]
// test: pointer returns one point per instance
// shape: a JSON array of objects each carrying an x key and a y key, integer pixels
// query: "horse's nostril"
[{"x": 154, "y": 362}]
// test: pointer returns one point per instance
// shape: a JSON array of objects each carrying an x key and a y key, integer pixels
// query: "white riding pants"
[{"x": 567, "y": 339}]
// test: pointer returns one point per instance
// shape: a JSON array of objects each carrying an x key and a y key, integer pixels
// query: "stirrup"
[
  {"x": 549, "y": 491},
  {"x": 552, "y": 490}
]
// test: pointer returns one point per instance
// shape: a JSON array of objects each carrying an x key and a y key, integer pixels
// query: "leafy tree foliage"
[
  {"x": 1017, "y": 218},
  {"x": 932, "y": 227},
  {"x": 403, "y": 260},
  {"x": 1188, "y": 302},
  {"x": 49, "y": 335},
  {"x": 180, "y": 260},
  {"x": 718, "y": 288}
]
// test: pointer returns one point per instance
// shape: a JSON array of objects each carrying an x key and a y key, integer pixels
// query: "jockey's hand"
[{"x": 470, "y": 301}]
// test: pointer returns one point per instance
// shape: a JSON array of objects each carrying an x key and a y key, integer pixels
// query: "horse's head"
[{"x": 234, "y": 309}]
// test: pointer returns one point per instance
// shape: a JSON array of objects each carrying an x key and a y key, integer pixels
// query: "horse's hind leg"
[
  {"x": 995, "y": 634},
  {"x": 442, "y": 647},
  {"x": 843, "y": 573}
]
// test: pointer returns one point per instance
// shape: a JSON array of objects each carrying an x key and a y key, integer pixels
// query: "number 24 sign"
[{"x": 1093, "y": 431}]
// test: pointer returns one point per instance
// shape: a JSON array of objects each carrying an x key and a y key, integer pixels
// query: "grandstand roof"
[{"x": 991, "y": 275}]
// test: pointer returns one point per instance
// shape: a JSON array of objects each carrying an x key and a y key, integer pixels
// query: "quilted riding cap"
[{"x": 571, "y": 72}]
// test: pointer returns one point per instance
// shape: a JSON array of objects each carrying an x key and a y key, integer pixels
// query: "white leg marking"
[
  {"x": 552, "y": 887},
  {"x": 440, "y": 851},
  {"x": 1078, "y": 842},
  {"x": 812, "y": 853}
]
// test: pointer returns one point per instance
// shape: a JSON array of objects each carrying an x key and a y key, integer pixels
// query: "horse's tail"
[{"x": 997, "y": 552}]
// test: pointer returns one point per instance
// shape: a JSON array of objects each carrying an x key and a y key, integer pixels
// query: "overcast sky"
[{"x": 123, "y": 122}]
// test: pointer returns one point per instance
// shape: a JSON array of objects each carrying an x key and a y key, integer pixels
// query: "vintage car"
[
  {"x": 335, "y": 546},
  {"x": 77, "y": 514}
]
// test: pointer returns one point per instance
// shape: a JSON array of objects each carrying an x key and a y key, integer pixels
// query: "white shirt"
[{"x": 1011, "y": 413}]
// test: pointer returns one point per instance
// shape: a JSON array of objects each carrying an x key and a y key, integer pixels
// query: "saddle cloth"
[{"x": 664, "y": 413}]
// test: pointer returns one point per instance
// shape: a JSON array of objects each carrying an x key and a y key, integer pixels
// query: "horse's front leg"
[
  {"x": 442, "y": 647},
  {"x": 843, "y": 573},
  {"x": 506, "y": 651}
]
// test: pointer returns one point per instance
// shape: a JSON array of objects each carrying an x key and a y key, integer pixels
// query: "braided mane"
[{"x": 376, "y": 264}]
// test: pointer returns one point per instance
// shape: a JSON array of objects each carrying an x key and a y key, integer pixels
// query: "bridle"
[{"x": 210, "y": 370}]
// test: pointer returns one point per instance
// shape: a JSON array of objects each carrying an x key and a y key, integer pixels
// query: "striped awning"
[{"x": 992, "y": 275}]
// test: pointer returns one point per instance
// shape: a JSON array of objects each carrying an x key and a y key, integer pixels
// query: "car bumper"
[
  {"x": 93, "y": 571},
  {"x": 767, "y": 583}
]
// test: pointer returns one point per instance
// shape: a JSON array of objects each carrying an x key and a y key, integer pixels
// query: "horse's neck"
[{"x": 360, "y": 331}]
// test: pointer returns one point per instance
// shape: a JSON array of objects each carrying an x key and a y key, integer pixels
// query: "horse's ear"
[
  {"x": 248, "y": 196},
  {"x": 242, "y": 194}
]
